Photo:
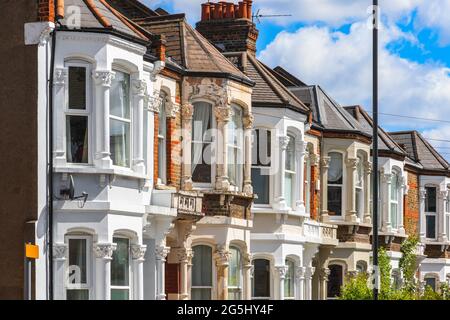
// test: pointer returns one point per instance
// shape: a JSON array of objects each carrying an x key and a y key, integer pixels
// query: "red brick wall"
[
  {"x": 412, "y": 205},
  {"x": 172, "y": 278},
  {"x": 46, "y": 10}
]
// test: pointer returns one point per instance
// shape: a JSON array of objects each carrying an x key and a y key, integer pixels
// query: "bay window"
[
  {"x": 120, "y": 119},
  {"x": 335, "y": 181},
  {"x": 430, "y": 212},
  {"x": 235, "y": 274},
  {"x": 120, "y": 270},
  {"x": 289, "y": 173},
  {"x": 261, "y": 154},
  {"x": 201, "y": 288},
  {"x": 235, "y": 149},
  {"x": 162, "y": 134},
  {"x": 394, "y": 207},
  {"x": 202, "y": 123},
  {"x": 289, "y": 280},
  {"x": 78, "y": 283},
  {"x": 77, "y": 113},
  {"x": 359, "y": 186}
]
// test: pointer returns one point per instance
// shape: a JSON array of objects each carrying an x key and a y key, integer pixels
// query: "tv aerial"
[
  {"x": 258, "y": 16},
  {"x": 69, "y": 193}
]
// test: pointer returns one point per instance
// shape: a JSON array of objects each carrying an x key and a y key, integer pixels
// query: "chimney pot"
[
  {"x": 243, "y": 9},
  {"x": 249, "y": 9},
  {"x": 230, "y": 10},
  {"x": 60, "y": 9},
  {"x": 224, "y": 5},
  {"x": 212, "y": 9},
  {"x": 206, "y": 11},
  {"x": 217, "y": 11}
]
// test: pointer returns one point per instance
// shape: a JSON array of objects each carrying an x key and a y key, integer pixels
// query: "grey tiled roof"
[
  {"x": 98, "y": 14},
  {"x": 420, "y": 150},
  {"x": 385, "y": 142}
]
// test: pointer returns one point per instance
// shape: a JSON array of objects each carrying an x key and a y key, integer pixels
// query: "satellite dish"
[
  {"x": 71, "y": 190},
  {"x": 69, "y": 193}
]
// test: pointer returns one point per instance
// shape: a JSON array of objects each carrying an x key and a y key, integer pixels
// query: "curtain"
[
  {"x": 335, "y": 169},
  {"x": 77, "y": 257},
  {"x": 200, "y": 124},
  {"x": 69, "y": 145}
]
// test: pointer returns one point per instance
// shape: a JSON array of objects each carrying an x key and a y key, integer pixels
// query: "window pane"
[
  {"x": 200, "y": 294},
  {"x": 261, "y": 148},
  {"x": 359, "y": 202},
  {"x": 235, "y": 268},
  {"x": 120, "y": 267},
  {"x": 260, "y": 182},
  {"x": 335, "y": 281},
  {"x": 77, "y": 139},
  {"x": 202, "y": 266},
  {"x": 394, "y": 215},
  {"x": 430, "y": 199},
  {"x": 289, "y": 280},
  {"x": 120, "y": 95},
  {"x": 289, "y": 189},
  {"x": 360, "y": 172},
  {"x": 261, "y": 278},
  {"x": 431, "y": 227},
  {"x": 394, "y": 187},
  {"x": 201, "y": 140},
  {"x": 431, "y": 282},
  {"x": 77, "y": 261},
  {"x": 120, "y": 142},
  {"x": 334, "y": 201},
  {"x": 335, "y": 168},
  {"x": 120, "y": 294},
  {"x": 162, "y": 118},
  {"x": 162, "y": 160},
  {"x": 77, "y": 88},
  {"x": 79, "y": 294},
  {"x": 290, "y": 154},
  {"x": 308, "y": 186},
  {"x": 234, "y": 294}
]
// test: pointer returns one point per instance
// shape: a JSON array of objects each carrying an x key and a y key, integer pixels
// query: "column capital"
[
  {"x": 423, "y": 193},
  {"x": 222, "y": 256},
  {"x": 187, "y": 111},
  {"x": 386, "y": 177},
  {"x": 443, "y": 194},
  {"x": 223, "y": 113},
  {"x": 138, "y": 251},
  {"x": 368, "y": 167},
  {"x": 104, "y": 250},
  {"x": 352, "y": 163},
  {"x": 248, "y": 121},
  {"x": 161, "y": 252},
  {"x": 60, "y": 251},
  {"x": 325, "y": 162},
  {"x": 185, "y": 255},
  {"x": 282, "y": 270},
  {"x": 309, "y": 272},
  {"x": 104, "y": 78},
  {"x": 284, "y": 141},
  {"x": 139, "y": 87},
  {"x": 324, "y": 273},
  {"x": 314, "y": 159},
  {"x": 300, "y": 272},
  {"x": 61, "y": 76}
]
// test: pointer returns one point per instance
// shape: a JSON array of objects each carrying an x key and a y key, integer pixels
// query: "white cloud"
[{"x": 434, "y": 14}]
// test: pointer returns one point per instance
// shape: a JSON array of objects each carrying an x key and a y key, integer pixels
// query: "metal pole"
[{"x": 375, "y": 152}]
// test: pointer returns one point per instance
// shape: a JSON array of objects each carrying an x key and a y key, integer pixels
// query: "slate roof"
[
  {"x": 385, "y": 142},
  {"x": 420, "y": 150},
  {"x": 268, "y": 90},
  {"x": 98, "y": 15}
]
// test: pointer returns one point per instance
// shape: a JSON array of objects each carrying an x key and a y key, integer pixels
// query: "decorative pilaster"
[
  {"x": 137, "y": 254},
  {"x": 103, "y": 252},
  {"x": 423, "y": 194},
  {"x": 281, "y": 272},
  {"x": 248, "y": 125},
  {"x": 325, "y": 163},
  {"x": 323, "y": 282},
  {"x": 308, "y": 282},
  {"x": 161, "y": 252},
  {"x": 248, "y": 269},
  {"x": 187, "y": 112},
  {"x": 367, "y": 187},
  {"x": 300, "y": 280},
  {"x": 442, "y": 233},
  {"x": 352, "y": 164},
  {"x": 387, "y": 181},
  {"x": 60, "y": 253},
  {"x": 139, "y": 92},
  {"x": 280, "y": 200},
  {"x": 223, "y": 116},
  {"x": 59, "y": 122},
  {"x": 222, "y": 258},
  {"x": 184, "y": 256},
  {"x": 103, "y": 81}
]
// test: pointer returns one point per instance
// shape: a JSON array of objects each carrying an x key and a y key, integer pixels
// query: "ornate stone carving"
[
  {"x": 210, "y": 90},
  {"x": 386, "y": 177},
  {"x": 60, "y": 76},
  {"x": 443, "y": 194},
  {"x": 222, "y": 255},
  {"x": 284, "y": 141},
  {"x": 325, "y": 162},
  {"x": 104, "y": 250},
  {"x": 223, "y": 114},
  {"x": 324, "y": 273},
  {"x": 247, "y": 259},
  {"x": 154, "y": 102},
  {"x": 282, "y": 270},
  {"x": 423, "y": 194},
  {"x": 368, "y": 167},
  {"x": 300, "y": 272},
  {"x": 309, "y": 272},
  {"x": 60, "y": 251},
  {"x": 138, "y": 251},
  {"x": 161, "y": 252},
  {"x": 104, "y": 78},
  {"x": 248, "y": 121},
  {"x": 187, "y": 111},
  {"x": 314, "y": 158},
  {"x": 172, "y": 110},
  {"x": 139, "y": 87},
  {"x": 185, "y": 255},
  {"x": 352, "y": 163}
]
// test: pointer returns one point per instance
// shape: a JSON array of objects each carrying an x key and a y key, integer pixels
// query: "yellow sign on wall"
[{"x": 31, "y": 251}]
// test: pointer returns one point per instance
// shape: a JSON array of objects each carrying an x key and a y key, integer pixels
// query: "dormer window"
[
  {"x": 120, "y": 119},
  {"x": 77, "y": 114}
]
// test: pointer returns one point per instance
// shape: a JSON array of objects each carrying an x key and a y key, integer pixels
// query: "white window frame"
[
  {"x": 435, "y": 278},
  {"x": 238, "y": 288},
  {"x": 292, "y": 173},
  {"x": 266, "y": 168},
  {"x": 287, "y": 261},
  {"x": 213, "y": 147},
  {"x": 431, "y": 214},
  {"x": 162, "y": 167},
  {"x": 79, "y": 112},
  {"x": 359, "y": 187},
  {"x": 116, "y": 68},
  {"x": 130, "y": 271},
  {"x": 238, "y": 148},
  {"x": 342, "y": 185},
  {"x": 395, "y": 174},
  {"x": 89, "y": 267}
]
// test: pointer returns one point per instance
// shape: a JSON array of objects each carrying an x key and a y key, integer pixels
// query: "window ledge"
[{"x": 94, "y": 170}]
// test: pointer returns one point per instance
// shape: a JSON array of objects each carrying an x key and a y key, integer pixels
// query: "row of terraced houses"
[{"x": 206, "y": 174}]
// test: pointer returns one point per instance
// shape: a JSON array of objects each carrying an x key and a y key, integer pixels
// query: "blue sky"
[{"x": 327, "y": 42}]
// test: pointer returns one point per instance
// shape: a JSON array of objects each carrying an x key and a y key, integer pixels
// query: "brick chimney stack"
[{"x": 229, "y": 26}]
